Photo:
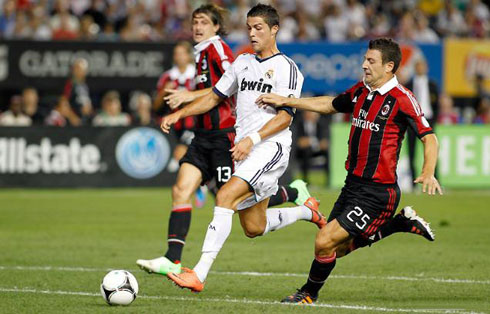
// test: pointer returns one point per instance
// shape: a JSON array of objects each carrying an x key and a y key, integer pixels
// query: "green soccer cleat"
[
  {"x": 303, "y": 193},
  {"x": 160, "y": 265}
]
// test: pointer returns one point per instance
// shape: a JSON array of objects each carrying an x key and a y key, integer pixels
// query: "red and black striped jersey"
[
  {"x": 175, "y": 79},
  {"x": 379, "y": 120},
  {"x": 213, "y": 57}
]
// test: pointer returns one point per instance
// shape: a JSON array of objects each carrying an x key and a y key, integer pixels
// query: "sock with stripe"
[
  {"x": 284, "y": 194},
  {"x": 218, "y": 231},
  {"x": 319, "y": 272},
  {"x": 278, "y": 218},
  {"x": 178, "y": 226}
]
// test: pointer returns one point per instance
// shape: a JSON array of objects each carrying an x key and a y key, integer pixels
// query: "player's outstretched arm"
[
  {"x": 177, "y": 97},
  {"x": 200, "y": 105},
  {"x": 281, "y": 121},
  {"x": 321, "y": 104},
  {"x": 427, "y": 178}
]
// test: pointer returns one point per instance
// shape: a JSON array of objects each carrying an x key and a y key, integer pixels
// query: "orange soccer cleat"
[
  {"x": 187, "y": 279},
  {"x": 316, "y": 217}
]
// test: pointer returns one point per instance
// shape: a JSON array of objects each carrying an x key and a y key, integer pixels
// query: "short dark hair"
[
  {"x": 267, "y": 12},
  {"x": 216, "y": 13},
  {"x": 390, "y": 51}
]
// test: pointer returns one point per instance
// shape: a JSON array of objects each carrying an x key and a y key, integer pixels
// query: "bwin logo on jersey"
[{"x": 254, "y": 85}]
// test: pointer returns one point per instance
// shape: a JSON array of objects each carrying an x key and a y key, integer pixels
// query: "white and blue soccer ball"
[{"x": 119, "y": 287}]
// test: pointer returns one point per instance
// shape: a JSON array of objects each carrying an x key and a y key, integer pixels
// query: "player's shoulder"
[
  {"x": 221, "y": 48},
  {"x": 406, "y": 99},
  {"x": 402, "y": 94}
]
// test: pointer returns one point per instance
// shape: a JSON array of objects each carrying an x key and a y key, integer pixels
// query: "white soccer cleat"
[
  {"x": 159, "y": 265},
  {"x": 417, "y": 224}
]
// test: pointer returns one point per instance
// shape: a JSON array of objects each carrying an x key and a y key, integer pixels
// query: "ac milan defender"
[
  {"x": 179, "y": 77},
  {"x": 382, "y": 110},
  {"x": 208, "y": 155},
  {"x": 263, "y": 143}
]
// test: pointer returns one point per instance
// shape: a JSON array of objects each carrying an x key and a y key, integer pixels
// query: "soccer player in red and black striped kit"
[
  {"x": 382, "y": 110},
  {"x": 208, "y": 156}
]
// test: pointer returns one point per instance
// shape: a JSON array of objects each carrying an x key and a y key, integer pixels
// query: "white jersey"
[{"x": 249, "y": 77}]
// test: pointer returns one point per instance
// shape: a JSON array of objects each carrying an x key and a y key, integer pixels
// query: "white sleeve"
[
  {"x": 290, "y": 82},
  {"x": 228, "y": 83}
]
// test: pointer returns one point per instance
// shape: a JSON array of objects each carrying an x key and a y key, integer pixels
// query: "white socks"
[
  {"x": 218, "y": 231},
  {"x": 278, "y": 218}
]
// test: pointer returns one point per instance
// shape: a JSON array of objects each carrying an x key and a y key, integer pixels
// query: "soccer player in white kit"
[{"x": 263, "y": 143}]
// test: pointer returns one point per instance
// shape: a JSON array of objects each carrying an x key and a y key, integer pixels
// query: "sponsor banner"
[
  {"x": 333, "y": 68},
  {"x": 90, "y": 157},
  {"x": 465, "y": 60},
  {"x": 464, "y": 155},
  {"x": 118, "y": 65}
]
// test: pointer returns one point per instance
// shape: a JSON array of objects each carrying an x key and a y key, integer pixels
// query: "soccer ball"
[{"x": 119, "y": 287}]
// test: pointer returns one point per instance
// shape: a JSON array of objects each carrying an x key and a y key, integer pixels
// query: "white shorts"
[{"x": 262, "y": 169}]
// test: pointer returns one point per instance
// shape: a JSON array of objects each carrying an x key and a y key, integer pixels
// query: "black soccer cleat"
[
  {"x": 300, "y": 297},
  {"x": 416, "y": 224}
]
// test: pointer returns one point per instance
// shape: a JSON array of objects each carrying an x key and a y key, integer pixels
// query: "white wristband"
[{"x": 255, "y": 137}]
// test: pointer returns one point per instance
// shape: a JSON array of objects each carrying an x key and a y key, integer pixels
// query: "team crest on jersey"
[
  {"x": 385, "y": 110},
  {"x": 269, "y": 74}
]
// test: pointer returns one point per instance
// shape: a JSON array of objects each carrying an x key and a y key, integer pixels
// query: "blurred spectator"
[
  {"x": 14, "y": 116},
  {"x": 30, "y": 105},
  {"x": 447, "y": 114},
  {"x": 357, "y": 18},
  {"x": 108, "y": 34},
  {"x": 77, "y": 92},
  {"x": 111, "y": 114},
  {"x": 141, "y": 107},
  {"x": 88, "y": 29},
  {"x": 483, "y": 112},
  {"x": 423, "y": 33},
  {"x": 336, "y": 24},
  {"x": 427, "y": 94},
  {"x": 62, "y": 114},
  {"x": 450, "y": 21},
  {"x": 96, "y": 11},
  {"x": 312, "y": 142},
  {"x": 7, "y": 19},
  {"x": 40, "y": 29},
  {"x": 63, "y": 23}
]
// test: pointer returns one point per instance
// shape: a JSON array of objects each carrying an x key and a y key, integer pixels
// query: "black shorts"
[
  {"x": 184, "y": 136},
  {"x": 211, "y": 154},
  {"x": 363, "y": 206}
]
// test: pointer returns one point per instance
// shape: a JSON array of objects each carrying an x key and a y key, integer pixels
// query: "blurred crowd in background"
[{"x": 302, "y": 20}]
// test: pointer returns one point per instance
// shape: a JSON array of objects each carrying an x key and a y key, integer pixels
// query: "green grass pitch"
[{"x": 56, "y": 245}]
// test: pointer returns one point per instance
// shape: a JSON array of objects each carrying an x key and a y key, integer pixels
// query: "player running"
[
  {"x": 262, "y": 147},
  {"x": 208, "y": 156},
  {"x": 382, "y": 109}
]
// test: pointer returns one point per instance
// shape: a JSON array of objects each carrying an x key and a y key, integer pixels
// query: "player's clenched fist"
[
  {"x": 271, "y": 100},
  {"x": 241, "y": 150},
  {"x": 168, "y": 121}
]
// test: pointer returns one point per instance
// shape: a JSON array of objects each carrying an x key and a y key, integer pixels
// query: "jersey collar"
[
  {"x": 204, "y": 44},
  {"x": 265, "y": 59},
  {"x": 386, "y": 86}
]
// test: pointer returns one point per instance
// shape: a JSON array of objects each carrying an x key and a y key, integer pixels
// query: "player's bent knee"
[
  {"x": 325, "y": 243},
  {"x": 181, "y": 192},
  {"x": 253, "y": 232}
]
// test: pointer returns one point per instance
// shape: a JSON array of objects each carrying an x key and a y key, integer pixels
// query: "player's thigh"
[
  {"x": 331, "y": 237},
  {"x": 198, "y": 155},
  {"x": 221, "y": 161},
  {"x": 232, "y": 193},
  {"x": 254, "y": 219}
]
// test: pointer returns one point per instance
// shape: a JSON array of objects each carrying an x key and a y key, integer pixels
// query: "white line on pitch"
[
  {"x": 248, "y": 301},
  {"x": 259, "y": 274}
]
